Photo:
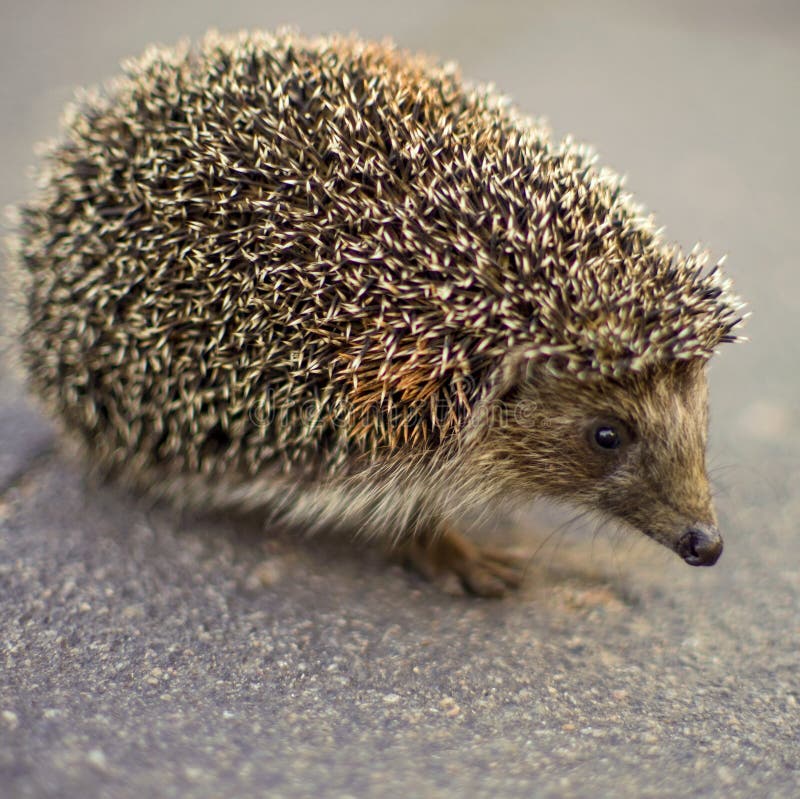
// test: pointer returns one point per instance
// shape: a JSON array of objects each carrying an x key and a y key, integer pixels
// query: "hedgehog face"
[{"x": 631, "y": 448}]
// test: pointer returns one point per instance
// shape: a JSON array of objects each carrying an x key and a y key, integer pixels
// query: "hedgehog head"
[{"x": 631, "y": 447}]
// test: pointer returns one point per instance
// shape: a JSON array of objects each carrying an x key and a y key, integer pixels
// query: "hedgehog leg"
[{"x": 445, "y": 555}]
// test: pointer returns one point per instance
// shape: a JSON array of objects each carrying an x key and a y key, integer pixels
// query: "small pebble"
[
  {"x": 97, "y": 759},
  {"x": 11, "y": 719}
]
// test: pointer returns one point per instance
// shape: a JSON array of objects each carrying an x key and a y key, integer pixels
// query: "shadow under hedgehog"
[{"x": 327, "y": 279}]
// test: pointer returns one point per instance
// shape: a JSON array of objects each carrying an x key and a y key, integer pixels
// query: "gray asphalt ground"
[{"x": 147, "y": 654}]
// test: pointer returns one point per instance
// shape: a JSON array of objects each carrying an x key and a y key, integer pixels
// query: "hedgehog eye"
[{"x": 607, "y": 435}]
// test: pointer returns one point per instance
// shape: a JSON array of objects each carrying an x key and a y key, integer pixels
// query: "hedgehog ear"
[{"x": 515, "y": 369}]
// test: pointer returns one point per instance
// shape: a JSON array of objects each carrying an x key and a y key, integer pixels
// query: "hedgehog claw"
[{"x": 460, "y": 566}]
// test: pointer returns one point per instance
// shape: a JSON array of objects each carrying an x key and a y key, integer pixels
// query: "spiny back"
[{"x": 273, "y": 248}]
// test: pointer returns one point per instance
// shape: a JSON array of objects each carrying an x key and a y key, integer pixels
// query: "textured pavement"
[{"x": 143, "y": 653}]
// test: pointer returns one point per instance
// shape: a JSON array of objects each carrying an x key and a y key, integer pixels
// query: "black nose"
[{"x": 700, "y": 545}]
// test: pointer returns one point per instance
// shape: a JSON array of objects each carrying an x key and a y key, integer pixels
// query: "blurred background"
[{"x": 618, "y": 671}]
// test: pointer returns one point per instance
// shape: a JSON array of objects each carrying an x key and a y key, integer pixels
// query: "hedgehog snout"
[{"x": 700, "y": 545}]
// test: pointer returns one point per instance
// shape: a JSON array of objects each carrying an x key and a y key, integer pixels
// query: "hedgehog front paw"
[{"x": 458, "y": 565}]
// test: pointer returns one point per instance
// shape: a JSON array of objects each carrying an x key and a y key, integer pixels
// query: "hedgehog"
[{"x": 331, "y": 281}]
